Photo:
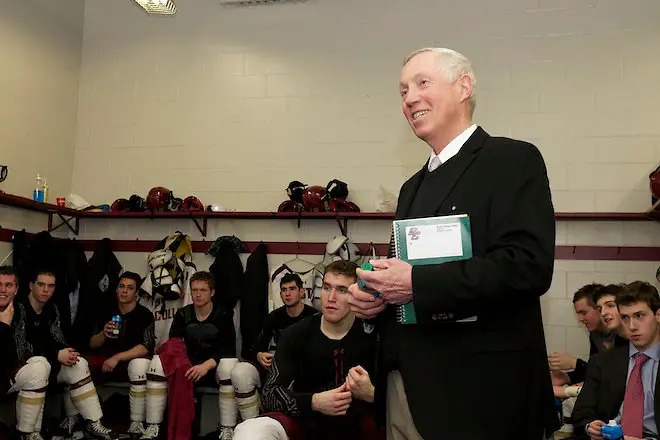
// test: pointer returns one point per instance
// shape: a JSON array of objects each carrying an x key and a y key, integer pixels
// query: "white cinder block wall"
[
  {"x": 40, "y": 59},
  {"x": 40, "y": 49},
  {"x": 230, "y": 104}
]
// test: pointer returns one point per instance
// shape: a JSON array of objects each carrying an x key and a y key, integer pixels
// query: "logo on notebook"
[{"x": 414, "y": 233}]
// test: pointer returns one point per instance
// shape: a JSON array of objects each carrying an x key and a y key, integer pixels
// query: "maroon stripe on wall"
[{"x": 563, "y": 252}]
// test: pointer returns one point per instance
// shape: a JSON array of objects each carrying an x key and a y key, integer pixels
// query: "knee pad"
[
  {"x": 137, "y": 369},
  {"x": 224, "y": 369},
  {"x": 260, "y": 428},
  {"x": 245, "y": 377},
  {"x": 35, "y": 373},
  {"x": 75, "y": 373},
  {"x": 156, "y": 367}
]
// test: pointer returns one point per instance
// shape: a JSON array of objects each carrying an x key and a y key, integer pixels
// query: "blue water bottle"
[
  {"x": 116, "y": 320},
  {"x": 611, "y": 431}
]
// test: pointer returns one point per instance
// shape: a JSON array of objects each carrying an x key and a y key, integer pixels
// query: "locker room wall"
[{"x": 230, "y": 104}]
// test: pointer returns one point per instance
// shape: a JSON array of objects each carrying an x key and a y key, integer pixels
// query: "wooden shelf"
[
  {"x": 562, "y": 252},
  {"x": 71, "y": 217}
]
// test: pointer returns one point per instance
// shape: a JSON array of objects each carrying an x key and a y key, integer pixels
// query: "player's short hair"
[
  {"x": 587, "y": 292},
  {"x": 46, "y": 272},
  {"x": 342, "y": 267},
  {"x": 132, "y": 276},
  {"x": 291, "y": 277},
  {"x": 609, "y": 290},
  {"x": 9, "y": 270},
  {"x": 639, "y": 291},
  {"x": 203, "y": 275}
]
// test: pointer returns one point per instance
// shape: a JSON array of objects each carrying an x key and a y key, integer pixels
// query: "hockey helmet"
[
  {"x": 176, "y": 204},
  {"x": 290, "y": 206},
  {"x": 654, "y": 183},
  {"x": 159, "y": 199},
  {"x": 313, "y": 198},
  {"x": 337, "y": 189},
  {"x": 295, "y": 190},
  {"x": 120, "y": 205},
  {"x": 137, "y": 204},
  {"x": 192, "y": 203}
]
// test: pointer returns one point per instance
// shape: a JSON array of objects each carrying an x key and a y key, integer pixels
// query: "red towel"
[{"x": 180, "y": 398}]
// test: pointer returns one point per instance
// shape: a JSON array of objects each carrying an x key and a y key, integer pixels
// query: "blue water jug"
[{"x": 611, "y": 431}]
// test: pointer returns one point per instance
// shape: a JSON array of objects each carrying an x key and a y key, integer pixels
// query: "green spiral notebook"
[{"x": 431, "y": 240}]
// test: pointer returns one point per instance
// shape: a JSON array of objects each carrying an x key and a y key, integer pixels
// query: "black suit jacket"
[
  {"x": 576, "y": 376},
  {"x": 487, "y": 379},
  {"x": 603, "y": 390}
]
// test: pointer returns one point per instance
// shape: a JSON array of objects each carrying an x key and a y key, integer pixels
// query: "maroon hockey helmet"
[
  {"x": 120, "y": 205},
  {"x": 159, "y": 199},
  {"x": 290, "y": 206},
  {"x": 192, "y": 203},
  {"x": 654, "y": 183},
  {"x": 313, "y": 198}
]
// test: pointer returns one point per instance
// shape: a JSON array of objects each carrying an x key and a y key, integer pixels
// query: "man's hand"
[
  {"x": 392, "y": 278},
  {"x": 107, "y": 329},
  {"x": 196, "y": 372},
  {"x": 110, "y": 364},
  {"x": 265, "y": 359},
  {"x": 594, "y": 430},
  {"x": 333, "y": 402},
  {"x": 359, "y": 384},
  {"x": 68, "y": 357},
  {"x": 562, "y": 361},
  {"x": 364, "y": 304},
  {"x": 7, "y": 314}
]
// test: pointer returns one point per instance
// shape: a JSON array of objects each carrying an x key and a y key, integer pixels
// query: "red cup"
[{"x": 61, "y": 201}]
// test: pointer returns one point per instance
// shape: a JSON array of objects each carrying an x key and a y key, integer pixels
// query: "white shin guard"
[
  {"x": 156, "y": 396},
  {"x": 31, "y": 382},
  {"x": 226, "y": 398},
  {"x": 137, "y": 375},
  {"x": 246, "y": 381},
  {"x": 81, "y": 390}
]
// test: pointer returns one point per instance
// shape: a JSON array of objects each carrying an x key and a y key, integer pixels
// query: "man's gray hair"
[{"x": 452, "y": 66}]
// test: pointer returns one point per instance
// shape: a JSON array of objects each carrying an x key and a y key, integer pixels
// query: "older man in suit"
[
  {"x": 621, "y": 383},
  {"x": 446, "y": 379}
]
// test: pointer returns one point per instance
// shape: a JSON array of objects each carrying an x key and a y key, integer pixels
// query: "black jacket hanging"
[
  {"x": 21, "y": 260},
  {"x": 227, "y": 270},
  {"x": 104, "y": 271},
  {"x": 254, "y": 299}
]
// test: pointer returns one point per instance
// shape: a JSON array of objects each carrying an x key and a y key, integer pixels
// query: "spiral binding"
[{"x": 401, "y": 315}]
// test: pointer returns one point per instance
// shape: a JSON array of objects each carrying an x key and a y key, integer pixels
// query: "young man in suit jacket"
[
  {"x": 621, "y": 383},
  {"x": 446, "y": 379}
]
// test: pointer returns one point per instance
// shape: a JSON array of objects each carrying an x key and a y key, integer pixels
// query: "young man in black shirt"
[
  {"x": 319, "y": 384},
  {"x": 125, "y": 351},
  {"x": 40, "y": 334},
  {"x": 246, "y": 378},
  {"x": 210, "y": 338},
  {"x": 22, "y": 371}
]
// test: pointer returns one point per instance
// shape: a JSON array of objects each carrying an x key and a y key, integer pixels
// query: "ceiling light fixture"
[{"x": 162, "y": 7}]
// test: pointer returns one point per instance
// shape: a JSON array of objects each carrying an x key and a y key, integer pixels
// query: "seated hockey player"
[
  {"x": 246, "y": 379},
  {"x": 210, "y": 339},
  {"x": 125, "y": 349},
  {"x": 37, "y": 332},
  {"x": 319, "y": 385},
  {"x": 21, "y": 371}
]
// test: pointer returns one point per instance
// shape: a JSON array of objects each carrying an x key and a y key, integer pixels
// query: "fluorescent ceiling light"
[{"x": 163, "y": 7}]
